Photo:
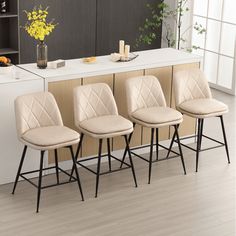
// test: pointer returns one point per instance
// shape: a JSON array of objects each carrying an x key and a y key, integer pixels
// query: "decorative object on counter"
[
  {"x": 122, "y": 47},
  {"x": 89, "y": 60},
  {"x": 42, "y": 55},
  {"x": 117, "y": 57},
  {"x": 56, "y": 64},
  {"x": 127, "y": 51},
  {"x": 5, "y": 65},
  {"x": 38, "y": 28},
  {"x": 131, "y": 57},
  {"x": 124, "y": 54},
  {"x": 3, "y": 6}
]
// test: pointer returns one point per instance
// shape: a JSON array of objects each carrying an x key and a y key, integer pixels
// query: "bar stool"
[
  {"x": 193, "y": 98},
  {"x": 40, "y": 126},
  {"x": 147, "y": 107},
  {"x": 96, "y": 115}
]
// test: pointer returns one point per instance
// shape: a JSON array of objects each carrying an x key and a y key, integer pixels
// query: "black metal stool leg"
[
  {"x": 40, "y": 179},
  {"x": 225, "y": 138},
  {"x": 157, "y": 144},
  {"x": 77, "y": 154},
  {"x": 171, "y": 144},
  {"x": 202, "y": 123},
  {"x": 198, "y": 143},
  {"x": 125, "y": 152},
  {"x": 180, "y": 149},
  {"x": 56, "y": 165},
  {"x": 150, "y": 158},
  {"x": 109, "y": 153},
  {"x": 131, "y": 161},
  {"x": 76, "y": 172},
  {"x": 98, "y": 166},
  {"x": 19, "y": 169}
]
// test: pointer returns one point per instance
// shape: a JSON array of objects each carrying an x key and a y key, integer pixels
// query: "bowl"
[{"x": 6, "y": 69}]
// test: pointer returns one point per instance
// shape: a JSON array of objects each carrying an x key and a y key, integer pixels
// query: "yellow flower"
[{"x": 37, "y": 26}]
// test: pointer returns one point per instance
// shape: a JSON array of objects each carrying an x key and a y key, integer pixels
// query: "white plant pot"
[{"x": 6, "y": 70}]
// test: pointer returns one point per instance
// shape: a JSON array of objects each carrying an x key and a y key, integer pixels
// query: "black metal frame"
[
  {"x": 199, "y": 137},
  {"x": 157, "y": 144},
  {"x": 41, "y": 169},
  {"x": 100, "y": 155}
]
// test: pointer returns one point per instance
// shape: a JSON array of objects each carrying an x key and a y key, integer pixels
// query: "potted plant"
[
  {"x": 162, "y": 14},
  {"x": 38, "y": 28}
]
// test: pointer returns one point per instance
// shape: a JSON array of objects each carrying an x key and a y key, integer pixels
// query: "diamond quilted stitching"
[
  {"x": 38, "y": 110},
  {"x": 191, "y": 84},
  {"x": 95, "y": 101},
  {"x": 147, "y": 94}
]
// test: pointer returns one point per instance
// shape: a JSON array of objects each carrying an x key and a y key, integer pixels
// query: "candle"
[
  {"x": 127, "y": 50},
  {"x": 122, "y": 47}
]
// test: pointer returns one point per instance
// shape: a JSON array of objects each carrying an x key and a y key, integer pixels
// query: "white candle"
[
  {"x": 122, "y": 47},
  {"x": 127, "y": 50}
]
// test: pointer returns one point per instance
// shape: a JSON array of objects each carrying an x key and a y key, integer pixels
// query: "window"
[{"x": 217, "y": 45}]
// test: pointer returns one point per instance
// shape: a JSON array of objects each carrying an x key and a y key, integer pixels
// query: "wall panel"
[
  {"x": 121, "y": 20},
  {"x": 74, "y": 37},
  {"x": 86, "y": 27}
]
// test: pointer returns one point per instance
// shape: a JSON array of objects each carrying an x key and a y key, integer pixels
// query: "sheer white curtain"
[{"x": 217, "y": 46}]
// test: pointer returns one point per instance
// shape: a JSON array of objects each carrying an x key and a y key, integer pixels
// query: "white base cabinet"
[{"x": 10, "y": 148}]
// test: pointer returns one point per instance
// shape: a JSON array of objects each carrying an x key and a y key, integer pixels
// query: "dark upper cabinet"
[
  {"x": 73, "y": 37},
  {"x": 121, "y": 19}
]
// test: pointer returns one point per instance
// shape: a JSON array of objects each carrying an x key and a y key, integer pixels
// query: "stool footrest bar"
[
  {"x": 204, "y": 149},
  {"x": 107, "y": 172},
  {"x": 162, "y": 159},
  {"x": 22, "y": 175}
]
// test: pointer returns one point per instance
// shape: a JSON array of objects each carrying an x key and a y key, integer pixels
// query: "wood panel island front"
[{"x": 162, "y": 63}]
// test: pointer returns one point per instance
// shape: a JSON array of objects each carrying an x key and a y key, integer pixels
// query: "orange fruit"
[{"x": 4, "y": 60}]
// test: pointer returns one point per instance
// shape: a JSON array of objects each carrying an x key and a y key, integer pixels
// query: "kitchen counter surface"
[{"x": 147, "y": 59}]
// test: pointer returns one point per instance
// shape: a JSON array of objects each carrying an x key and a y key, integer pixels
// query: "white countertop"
[
  {"x": 147, "y": 59},
  {"x": 17, "y": 75}
]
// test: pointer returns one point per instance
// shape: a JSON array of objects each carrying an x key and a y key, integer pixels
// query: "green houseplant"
[{"x": 162, "y": 14}]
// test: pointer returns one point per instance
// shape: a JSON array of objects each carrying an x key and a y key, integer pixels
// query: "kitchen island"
[{"x": 162, "y": 63}]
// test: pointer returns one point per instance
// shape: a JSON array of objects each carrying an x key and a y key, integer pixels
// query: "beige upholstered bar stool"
[
  {"x": 96, "y": 115},
  {"x": 193, "y": 98},
  {"x": 39, "y": 126},
  {"x": 147, "y": 107}
]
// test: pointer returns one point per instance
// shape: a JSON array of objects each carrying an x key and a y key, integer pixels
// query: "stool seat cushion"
[
  {"x": 106, "y": 126},
  {"x": 157, "y": 116},
  {"x": 50, "y": 137},
  {"x": 203, "y": 108}
]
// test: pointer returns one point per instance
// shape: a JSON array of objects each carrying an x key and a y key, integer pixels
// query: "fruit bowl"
[
  {"x": 5, "y": 65},
  {"x": 6, "y": 70}
]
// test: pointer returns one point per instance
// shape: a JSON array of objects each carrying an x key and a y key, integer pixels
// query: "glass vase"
[{"x": 42, "y": 55}]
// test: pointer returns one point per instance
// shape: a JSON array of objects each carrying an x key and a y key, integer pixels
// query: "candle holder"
[{"x": 131, "y": 57}]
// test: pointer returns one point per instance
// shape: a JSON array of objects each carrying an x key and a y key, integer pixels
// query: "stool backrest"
[
  {"x": 93, "y": 100},
  {"x": 190, "y": 84},
  {"x": 36, "y": 110},
  {"x": 143, "y": 92}
]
